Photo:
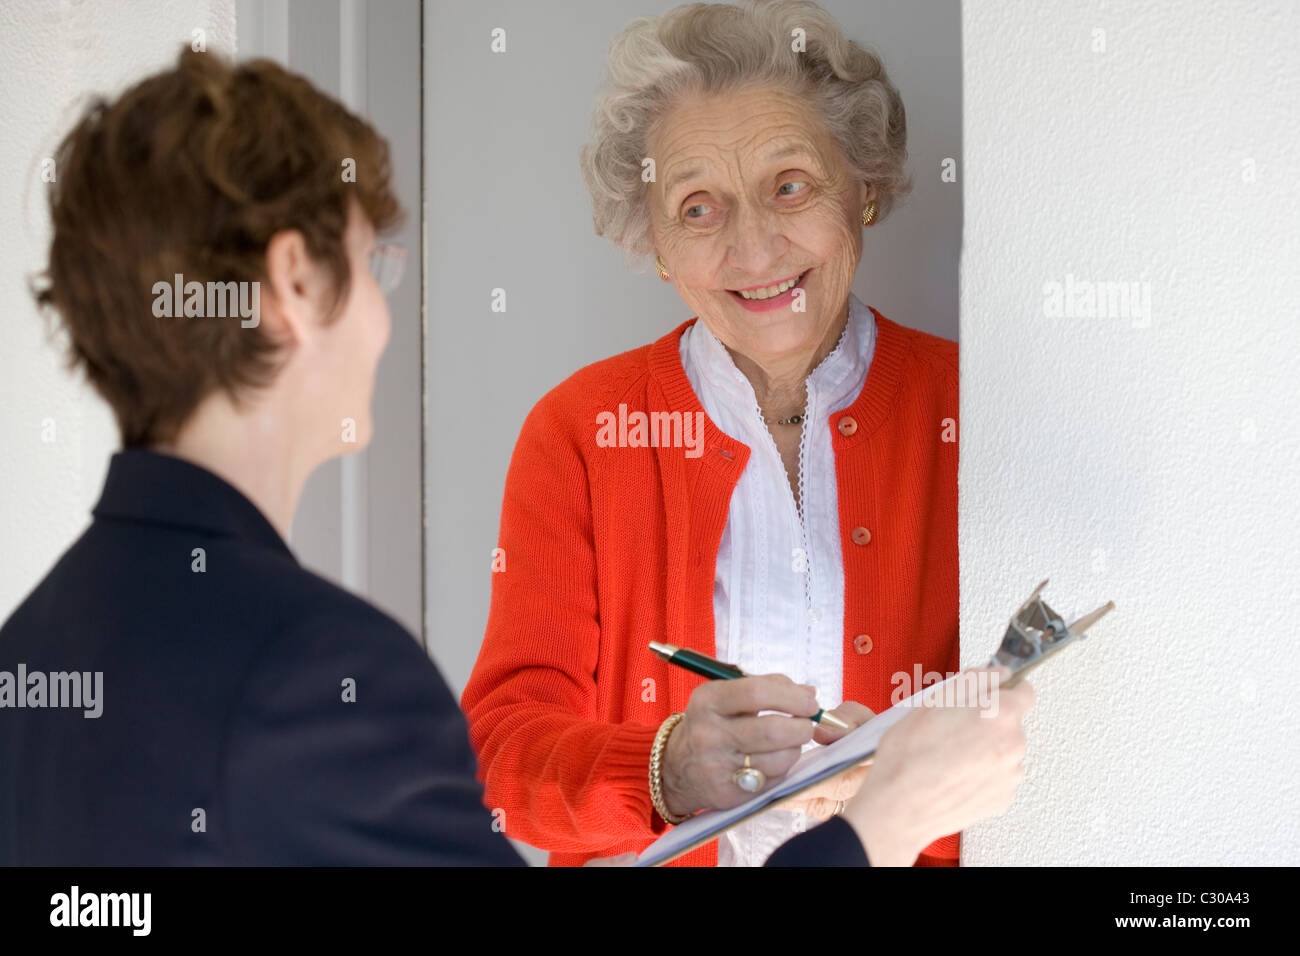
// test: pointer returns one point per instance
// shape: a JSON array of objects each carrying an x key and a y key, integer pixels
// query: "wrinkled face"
[
  {"x": 754, "y": 212},
  {"x": 347, "y": 351}
]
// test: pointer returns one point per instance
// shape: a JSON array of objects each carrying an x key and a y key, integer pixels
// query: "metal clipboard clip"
[{"x": 1036, "y": 632}]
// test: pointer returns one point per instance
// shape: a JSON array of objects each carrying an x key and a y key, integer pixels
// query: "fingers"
[
  {"x": 723, "y": 724},
  {"x": 1019, "y": 699},
  {"x": 774, "y": 764},
  {"x": 733, "y": 737},
  {"x": 851, "y": 712},
  {"x": 821, "y": 808},
  {"x": 623, "y": 859},
  {"x": 846, "y": 785},
  {"x": 724, "y": 792},
  {"x": 823, "y": 800},
  {"x": 842, "y": 787},
  {"x": 749, "y": 695},
  {"x": 751, "y": 735}
]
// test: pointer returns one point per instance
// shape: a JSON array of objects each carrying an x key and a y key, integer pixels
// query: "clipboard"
[{"x": 1035, "y": 633}]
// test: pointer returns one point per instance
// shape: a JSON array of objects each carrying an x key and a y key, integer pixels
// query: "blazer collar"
[{"x": 153, "y": 488}]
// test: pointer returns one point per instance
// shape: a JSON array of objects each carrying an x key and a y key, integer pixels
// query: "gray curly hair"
[{"x": 716, "y": 48}]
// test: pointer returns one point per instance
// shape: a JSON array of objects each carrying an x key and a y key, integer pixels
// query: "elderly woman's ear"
[{"x": 870, "y": 197}]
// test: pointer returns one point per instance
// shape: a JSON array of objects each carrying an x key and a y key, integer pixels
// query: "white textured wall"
[
  {"x": 52, "y": 54},
  {"x": 1154, "y": 462}
]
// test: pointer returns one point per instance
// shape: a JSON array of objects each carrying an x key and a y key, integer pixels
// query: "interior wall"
[{"x": 56, "y": 435}]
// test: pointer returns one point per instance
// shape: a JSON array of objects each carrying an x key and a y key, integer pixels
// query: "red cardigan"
[{"x": 605, "y": 549}]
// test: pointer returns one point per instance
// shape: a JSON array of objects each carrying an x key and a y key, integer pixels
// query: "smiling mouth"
[{"x": 759, "y": 293}]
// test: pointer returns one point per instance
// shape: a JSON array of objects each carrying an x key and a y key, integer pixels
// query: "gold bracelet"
[{"x": 656, "y": 767}]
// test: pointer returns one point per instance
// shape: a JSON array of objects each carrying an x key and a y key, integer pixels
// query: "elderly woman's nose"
[{"x": 757, "y": 242}]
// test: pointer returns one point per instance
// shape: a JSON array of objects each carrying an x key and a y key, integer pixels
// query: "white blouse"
[{"x": 778, "y": 593}]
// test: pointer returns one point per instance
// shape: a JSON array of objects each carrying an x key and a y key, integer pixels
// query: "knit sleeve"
[{"x": 565, "y": 780}]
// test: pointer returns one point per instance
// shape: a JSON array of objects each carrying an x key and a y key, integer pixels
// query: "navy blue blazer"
[{"x": 250, "y": 712}]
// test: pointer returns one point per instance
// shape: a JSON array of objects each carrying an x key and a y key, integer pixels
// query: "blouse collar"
[
  {"x": 725, "y": 456},
  {"x": 837, "y": 379}
]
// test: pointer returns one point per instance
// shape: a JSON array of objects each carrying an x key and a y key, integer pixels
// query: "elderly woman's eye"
[
  {"x": 696, "y": 211},
  {"x": 795, "y": 185}
]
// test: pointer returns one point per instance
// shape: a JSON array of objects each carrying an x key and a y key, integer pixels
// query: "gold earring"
[
  {"x": 663, "y": 270},
  {"x": 869, "y": 213}
]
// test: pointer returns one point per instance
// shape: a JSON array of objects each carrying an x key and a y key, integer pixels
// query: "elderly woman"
[{"x": 807, "y": 531}]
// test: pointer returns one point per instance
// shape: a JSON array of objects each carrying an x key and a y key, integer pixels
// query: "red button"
[
  {"x": 860, "y": 535},
  {"x": 847, "y": 426},
  {"x": 862, "y": 644}
]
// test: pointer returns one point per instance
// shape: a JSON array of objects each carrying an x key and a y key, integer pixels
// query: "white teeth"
[{"x": 770, "y": 291}]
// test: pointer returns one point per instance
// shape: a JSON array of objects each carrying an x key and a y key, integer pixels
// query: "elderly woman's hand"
[{"x": 721, "y": 726}]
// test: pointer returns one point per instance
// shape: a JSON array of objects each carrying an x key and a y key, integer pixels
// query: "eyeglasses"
[{"x": 387, "y": 263}]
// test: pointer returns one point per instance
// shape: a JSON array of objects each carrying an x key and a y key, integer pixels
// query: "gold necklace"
[{"x": 795, "y": 419}]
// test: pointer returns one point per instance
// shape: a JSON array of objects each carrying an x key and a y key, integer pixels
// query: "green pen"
[{"x": 706, "y": 666}]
